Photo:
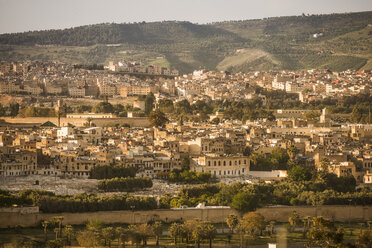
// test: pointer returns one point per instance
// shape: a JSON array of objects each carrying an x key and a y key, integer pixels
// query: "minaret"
[
  {"x": 324, "y": 116},
  {"x": 58, "y": 109}
]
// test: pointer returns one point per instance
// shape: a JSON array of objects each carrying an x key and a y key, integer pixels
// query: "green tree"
[
  {"x": 68, "y": 232},
  {"x": 103, "y": 107},
  {"x": 293, "y": 220},
  {"x": 299, "y": 173},
  {"x": 134, "y": 235},
  {"x": 157, "y": 229},
  {"x": 157, "y": 118},
  {"x": 175, "y": 231},
  {"x": 45, "y": 225},
  {"x": 58, "y": 220},
  {"x": 88, "y": 238},
  {"x": 253, "y": 222},
  {"x": 365, "y": 239},
  {"x": 198, "y": 234},
  {"x": 312, "y": 116},
  {"x": 14, "y": 109},
  {"x": 210, "y": 232},
  {"x": 323, "y": 233},
  {"x": 292, "y": 151},
  {"x": 2, "y": 110},
  {"x": 244, "y": 202},
  {"x": 108, "y": 233},
  {"x": 123, "y": 235},
  {"x": 232, "y": 221},
  {"x": 149, "y": 103},
  {"x": 185, "y": 163}
]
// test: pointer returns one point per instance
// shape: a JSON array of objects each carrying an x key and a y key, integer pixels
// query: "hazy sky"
[{"x": 25, "y": 15}]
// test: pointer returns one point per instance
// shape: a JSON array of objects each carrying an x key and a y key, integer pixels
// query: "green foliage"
[
  {"x": 92, "y": 203},
  {"x": 232, "y": 221},
  {"x": 37, "y": 112},
  {"x": 166, "y": 105},
  {"x": 276, "y": 160},
  {"x": 244, "y": 202},
  {"x": 124, "y": 184},
  {"x": 285, "y": 42},
  {"x": 365, "y": 239},
  {"x": 111, "y": 171},
  {"x": 323, "y": 233},
  {"x": 14, "y": 109},
  {"x": 103, "y": 107},
  {"x": 253, "y": 222},
  {"x": 149, "y": 103},
  {"x": 157, "y": 118},
  {"x": 299, "y": 173},
  {"x": 189, "y": 177}
]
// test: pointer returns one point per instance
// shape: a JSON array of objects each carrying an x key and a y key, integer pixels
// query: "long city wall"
[
  {"x": 79, "y": 122},
  {"x": 216, "y": 215}
]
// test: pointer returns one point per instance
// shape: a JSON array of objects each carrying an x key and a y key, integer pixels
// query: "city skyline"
[{"x": 21, "y": 15}]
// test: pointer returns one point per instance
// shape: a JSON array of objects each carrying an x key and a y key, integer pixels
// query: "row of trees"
[
  {"x": 106, "y": 107},
  {"x": 111, "y": 171},
  {"x": 37, "y": 112},
  {"x": 316, "y": 232},
  {"x": 127, "y": 184},
  {"x": 189, "y": 177},
  {"x": 302, "y": 187},
  {"x": 48, "y": 202},
  {"x": 10, "y": 110}
]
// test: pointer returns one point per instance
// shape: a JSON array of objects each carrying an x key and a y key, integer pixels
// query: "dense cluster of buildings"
[
  {"x": 222, "y": 149},
  {"x": 139, "y": 68}
]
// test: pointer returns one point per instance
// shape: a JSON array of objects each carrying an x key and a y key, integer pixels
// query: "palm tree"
[
  {"x": 58, "y": 220},
  {"x": 144, "y": 231},
  {"x": 157, "y": 229},
  {"x": 108, "y": 233},
  {"x": 210, "y": 232},
  {"x": 89, "y": 121},
  {"x": 68, "y": 231},
  {"x": 56, "y": 231},
  {"x": 175, "y": 231},
  {"x": 272, "y": 225},
  {"x": 361, "y": 225},
  {"x": 122, "y": 235},
  {"x": 369, "y": 223},
  {"x": 292, "y": 150},
  {"x": 45, "y": 227},
  {"x": 241, "y": 231},
  {"x": 293, "y": 219},
  {"x": 135, "y": 237},
  {"x": 188, "y": 227},
  {"x": 198, "y": 234}
]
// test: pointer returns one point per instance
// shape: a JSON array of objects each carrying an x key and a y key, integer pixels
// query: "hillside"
[{"x": 271, "y": 43}]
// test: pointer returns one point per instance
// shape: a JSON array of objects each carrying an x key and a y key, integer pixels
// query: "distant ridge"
[{"x": 335, "y": 41}]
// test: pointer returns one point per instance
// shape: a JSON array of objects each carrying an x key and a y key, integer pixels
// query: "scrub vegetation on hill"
[{"x": 341, "y": 42}]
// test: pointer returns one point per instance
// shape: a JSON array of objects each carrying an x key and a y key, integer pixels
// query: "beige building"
[
  {"x": 76, "y": 91},
  {"x": 222, "y": 166},
  {"x": 126, "y": 91},
  {"x": 90, "y": 115},
  {"x": 107, "y": 89}
]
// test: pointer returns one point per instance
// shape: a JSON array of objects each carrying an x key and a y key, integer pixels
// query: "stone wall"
[
  {"x": 335, "y": 213},
  {"x": 79, "y": 122},
  {"x": 209, "y": 214},
  {"x": 277, "y": 213}
]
